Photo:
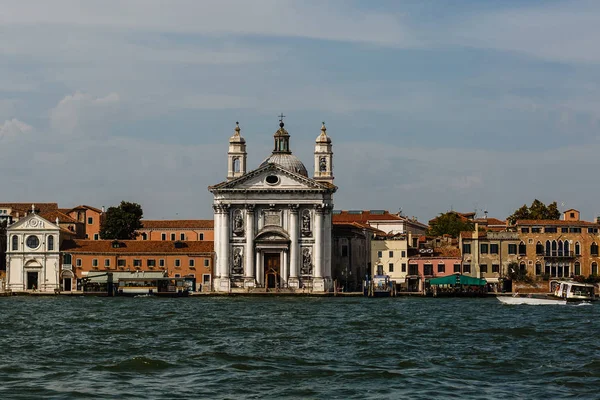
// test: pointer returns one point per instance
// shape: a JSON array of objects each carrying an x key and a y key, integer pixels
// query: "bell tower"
[
  {"x": 236, "y": 156},
  {"x": 323, "y": 157}
]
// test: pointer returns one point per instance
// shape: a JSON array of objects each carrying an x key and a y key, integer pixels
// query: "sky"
[{"x": 431, "y": 105}]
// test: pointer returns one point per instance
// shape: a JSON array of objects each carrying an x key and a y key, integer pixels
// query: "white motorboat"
[
  {"x": 572, "y": 291},
  {"x": 535, "y": 301}
]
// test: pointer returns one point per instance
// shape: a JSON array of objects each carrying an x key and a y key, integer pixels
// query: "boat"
[
  {"x": 380, "y": 286},
  {"x": 572, "y": 291},
  {"x": 536, "y": 301}
]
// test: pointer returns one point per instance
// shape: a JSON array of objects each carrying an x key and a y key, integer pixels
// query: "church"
[{"x": 272, "y": 225}]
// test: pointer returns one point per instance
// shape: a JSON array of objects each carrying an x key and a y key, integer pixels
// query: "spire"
[
  {"x": 237, "y": 138},
  {"x": 323, "y": 138},
  {"x": 237, "y": 154},
  {"x": 282, "y": 138}
]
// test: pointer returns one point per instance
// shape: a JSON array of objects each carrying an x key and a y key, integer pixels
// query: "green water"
[{"x": 328, "y": 348}]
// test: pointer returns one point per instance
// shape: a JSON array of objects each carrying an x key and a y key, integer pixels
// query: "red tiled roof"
[
  {"x": 546, "y": 222},
  {"x": 469, "y": 234},
  {"x": 137, "y": 246},
  {"x": 364, "y": 216},
  {"x": 178, "y": 224},
  {"x": 99, "y": 211},
  {"x": 62, "y": 218},
  {"x": 490, "y": 221},
  {"x": 24, "y": 208},
  {"x": 447, "y": 251}
]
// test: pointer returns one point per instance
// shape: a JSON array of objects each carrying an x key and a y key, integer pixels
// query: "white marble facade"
[
  {"x": 273, "y": 224},
  {"x": 33, "y": 256}
]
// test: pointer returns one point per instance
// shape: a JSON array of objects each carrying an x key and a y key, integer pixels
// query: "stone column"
[
  {"x": 225, "y": 242},
  {"x": 293, "y": 281},
  {"x": 249, "y": 280},
  {"x": 285, "y": 270},
  {"x": 318, "y": 282},
  {"x": 257, "y": 266}
]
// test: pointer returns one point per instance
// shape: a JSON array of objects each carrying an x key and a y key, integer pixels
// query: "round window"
[
  {"x": 272, "y": 179},
  {"x": 33, "y": 242}
]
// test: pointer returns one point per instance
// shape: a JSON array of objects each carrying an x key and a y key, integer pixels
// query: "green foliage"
[
  {"x": 449, "y": 223},
  {"x": 122, "y": 222},
  {"x": 592, "y": 279},
  {"x": 517, "y": 275},
  {"x": 537, "y": 210}
]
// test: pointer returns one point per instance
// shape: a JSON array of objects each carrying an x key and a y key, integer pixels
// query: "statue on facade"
[
  {"x": 306, "y": 223},
  {"x": 306, "y": 262},
  {"x": 237, "y": 262},
  {"x": 238, "y": 223}
]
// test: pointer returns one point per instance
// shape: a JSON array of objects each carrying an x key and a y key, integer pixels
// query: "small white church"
[{"x": 273, "y": 224}]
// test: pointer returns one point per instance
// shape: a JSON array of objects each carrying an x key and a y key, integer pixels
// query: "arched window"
[
  {"x": 236, "y": 164},
  {"x": 523, "y": 267},
  {"x": 547, "y": 248},
  {"x": 50, "y": 243},
  {"x": 560, "y": 248},
  {"x": 538, "y": 268},
  {"x": 522, "y": 249},
  {"x": 577, "y": 249},
  {"x": 566, "y": 248},
  {"x": 554, "y": 248},
  {"x": 577, "y": 268},
  {"x": 67, "y": 259},
  {"x": 15, "y": 243},
  {"x": 594, "y": 268},
  {"x": 594, "y": 249},
  {"x": 144, "y": 236},
  {"x": 539, "y": 248}
]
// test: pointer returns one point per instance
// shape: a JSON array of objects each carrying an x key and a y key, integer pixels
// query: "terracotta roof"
[
  {"x": 469, "y": 234},
  {"x": 551, "y": 222},
  {"x": 99, "y": 211},
  {"x": 24, "y": 208},
  {"x": 364, "y": 216},
  {"x": 490, "y": 221},
  {"x": 447, "y": 251},
  {"x": 62, "y": 218},
  {"x": 137, "y": 246},
  {"x": 178, "y": 224}
]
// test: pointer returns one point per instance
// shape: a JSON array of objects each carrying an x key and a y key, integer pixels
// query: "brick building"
[{"x": 172, "y": 230}]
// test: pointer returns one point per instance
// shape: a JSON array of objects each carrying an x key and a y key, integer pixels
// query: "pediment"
[
  {"x": 33, "y": 222},
  {"x": 271, "y": 177}
]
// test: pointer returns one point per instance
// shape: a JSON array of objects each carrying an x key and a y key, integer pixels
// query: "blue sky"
[{"x": 431, "y": 105}]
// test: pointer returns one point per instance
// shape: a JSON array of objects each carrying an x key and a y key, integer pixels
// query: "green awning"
[{"x": 457, "y": 279}]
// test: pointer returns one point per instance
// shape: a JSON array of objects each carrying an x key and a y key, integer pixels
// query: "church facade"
[{"x": 272, "y": 225}]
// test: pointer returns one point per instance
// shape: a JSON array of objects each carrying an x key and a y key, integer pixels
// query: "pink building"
[{"x": 431, "y": 263}]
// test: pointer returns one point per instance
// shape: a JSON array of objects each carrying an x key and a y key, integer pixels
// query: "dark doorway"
[
  {"x": 272, "y": 270},
  {"x": 67, "y": 284},
  {"x": 32, "y": 280}
]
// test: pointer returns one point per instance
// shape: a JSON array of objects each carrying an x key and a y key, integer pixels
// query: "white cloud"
[
  {"x": 14, "y": 129},
  {"x": 84, "y": 114}
]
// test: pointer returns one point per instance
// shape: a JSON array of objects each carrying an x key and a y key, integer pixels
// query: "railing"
[{"x": 560, "y": 254}]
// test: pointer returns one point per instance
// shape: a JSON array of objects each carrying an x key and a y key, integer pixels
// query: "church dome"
[{"x": 287, "y": 161}]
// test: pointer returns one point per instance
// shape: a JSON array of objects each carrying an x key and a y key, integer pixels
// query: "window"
[
  {"x": 512, "y": 248},
  {"x": 575, "y": 230},
  {"x": 201, "y": 236},
  {"x": 467, "y": 268},
  {"x": 536, "y": 230},
  {"x": 391, "y": 254},
  {"x": 494, "y": 248},
  {"x": 522, "y": 249},
  {"x": 564, "y": 230},
  {"x": 457, "y": 268},
  {"x": 483, "y": 268},
  {"x": 177, "y": 262},
  {"x": 380, "y": 270},
  {"x": 466, "y": 248},
  {"x": 550, "y": 229},
  {"x": 95, "y": 262},
  {"x": 403, "y": 253},
  {"x": 96, "y": 237},
  {"x": 577, "y": 268},
  {"x": 206, "y": 262},
  {"x": 539, "y": 248},
  {"x": 577, "y": 249},
  {"x": 495, "y": 268},
  {"x": 177, "y": 275},
  {"x": 590, "y": 230},
  {"x": 50, "y": 243},
  {"x": 67, "y": 259},
  {"x": 182, "y": 236},
  {"x": 403, "y": 267},
  {"x": 441, "y": 268},
  {"x": 107, "y": 262},
  {"x": 144, "y": 236},
  {"x": 137, "y": 263},
  {"x": 428, "y": 269},
  {"x": 151, "y": 263},
  {"x": 413, "y": 269},
  {"x": 379, "y": 254},
  {"x": 163, "y": 236},
  {"x": 161, "y": 262},
  {"x": 173, "y": 236},
  {"x": 538, "y": 268},
  {"x": 594, "y": 268},
  {"x": 78, "y": 262},
  {"x": 483, "y": 248},
  {"x": 594, "y": 249},
  {"x": 121, "y": 263},
  {"x": 192, "y": 263},
  {"x": 344, "y": 250},
  {"x": 524, "y": 230},
  {"x": 15, "y": 242},
  {"x": 90, "y": 221}
]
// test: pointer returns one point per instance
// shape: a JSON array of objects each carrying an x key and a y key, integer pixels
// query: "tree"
[
  {"x": 449, "y": 223},
  {"x": 537, "y": 210},
  {"x": 122, "y": 222}
]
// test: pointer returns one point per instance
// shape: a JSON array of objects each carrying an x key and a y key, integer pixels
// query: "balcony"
[
  {"x": 560, "y": 254},
  {"x": 67, "y": 267}
]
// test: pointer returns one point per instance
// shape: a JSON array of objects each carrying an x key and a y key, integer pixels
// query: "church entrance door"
[
  {"x": 32, "y": 280},
  {"x": 272, "y": 270}
]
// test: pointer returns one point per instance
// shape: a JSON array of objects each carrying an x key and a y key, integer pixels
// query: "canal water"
[{"x": 327, "y": 348}]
